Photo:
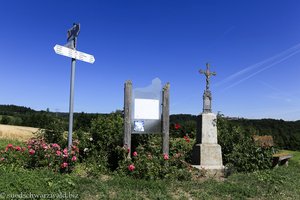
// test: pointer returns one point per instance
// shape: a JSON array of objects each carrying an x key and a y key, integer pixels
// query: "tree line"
[
  {"x": 24, "y": 116},
  {"x": 286, "y": 134}
]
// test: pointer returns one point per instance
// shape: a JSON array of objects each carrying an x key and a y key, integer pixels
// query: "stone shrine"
[{"x": 207, "y": 153}]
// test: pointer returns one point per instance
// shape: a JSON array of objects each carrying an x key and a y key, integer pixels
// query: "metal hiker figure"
[
  {"x": 208, "y": 74},
  {"x": 207, "y": 94}
]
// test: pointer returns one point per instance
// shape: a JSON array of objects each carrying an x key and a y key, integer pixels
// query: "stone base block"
[
  {"x": 213, "y": 173},
  {"x": 208, "y": 157}
]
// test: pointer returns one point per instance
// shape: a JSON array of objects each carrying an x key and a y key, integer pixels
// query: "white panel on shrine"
[{"x": 146, "y": 109}]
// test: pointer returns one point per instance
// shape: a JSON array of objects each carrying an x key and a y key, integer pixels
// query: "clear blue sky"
[{"x": 254, "y": 46}]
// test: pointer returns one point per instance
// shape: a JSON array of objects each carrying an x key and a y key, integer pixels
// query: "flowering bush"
[
  {"x": 12, "y": 156},
  {"x": 147, "y": 161},
  {"x": 40, "y": 154},
  {"x": 186, "y": 127}
]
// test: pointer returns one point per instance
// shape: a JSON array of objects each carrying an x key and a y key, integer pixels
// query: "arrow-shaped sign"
[{"x": 71, "y": 53}]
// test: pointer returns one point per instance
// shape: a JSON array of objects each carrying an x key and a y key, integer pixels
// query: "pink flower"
[
  {"x": 9, "y": 146},
  {"x": 29, "y": 146},
  {"x": 65, "y": 151},
  {"x": 134, "y": 154},
  {"x": 18, "y": 148},
  {"x": 187, "y": 139},
  {"x": 2, "y": 159},
  {"x": 31, "y": 151},
  {"x": 58, "y": 153},
  {"x": 74, "y": 158},
  {"x": 177, "y": 126},
  {"x": 55, "y": 146},
  {"x": 128, "y": 150},
  {"x": 64, "y": 165},
  {"x": 166, "y": 156},
  {"x": 131, "y": 167},
  {"x": 45, "y": 146},
  {"x": 75, "y": 148}
]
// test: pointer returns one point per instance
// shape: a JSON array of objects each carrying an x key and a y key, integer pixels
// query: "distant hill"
[
  {"x": 286, "y": 134},
  {"x": 24, "y": 116},
  {"x": 10, "y": 109}
]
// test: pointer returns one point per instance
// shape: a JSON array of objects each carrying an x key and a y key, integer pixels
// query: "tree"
[{"x": 5, "y": 120}]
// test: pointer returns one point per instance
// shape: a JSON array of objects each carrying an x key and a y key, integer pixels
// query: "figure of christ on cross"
[{"x": 208, "y": 74}]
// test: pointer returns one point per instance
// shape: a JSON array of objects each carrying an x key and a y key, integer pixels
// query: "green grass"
[
  {"x": 5, "y": 142},
  {"x": 280, "y": 183},
  {"x": 296, "y": 156}
]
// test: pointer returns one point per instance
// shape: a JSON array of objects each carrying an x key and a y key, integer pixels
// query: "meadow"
[
  {"x": 21, "y": 133},
  {"x": 280, "y": 183},
  {"x": 16, "y": 183}
]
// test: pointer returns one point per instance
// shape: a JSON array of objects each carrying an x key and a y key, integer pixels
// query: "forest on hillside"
[
  {"x": 24, "y": 116},
  {"x": 286, "y": 134}
]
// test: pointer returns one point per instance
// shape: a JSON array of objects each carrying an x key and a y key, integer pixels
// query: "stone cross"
[{"x": 208, "y": 74}]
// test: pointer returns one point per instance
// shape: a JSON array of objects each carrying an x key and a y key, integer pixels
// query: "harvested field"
[{"x": 20, "y": 133}]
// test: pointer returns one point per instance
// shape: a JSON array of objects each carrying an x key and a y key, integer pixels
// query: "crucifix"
[
  {"x": 207, "y": 97},
  {"x": 208, "y": 74}
]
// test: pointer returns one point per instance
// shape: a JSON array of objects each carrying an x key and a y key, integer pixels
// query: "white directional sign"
[{"x": 71, "y": 53}]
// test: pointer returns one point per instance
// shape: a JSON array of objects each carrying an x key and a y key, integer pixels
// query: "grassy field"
[
  {"x": 280, "y": 183},
  {"x": 20, "y": 133},
  {"x": 17, "y": 183}
]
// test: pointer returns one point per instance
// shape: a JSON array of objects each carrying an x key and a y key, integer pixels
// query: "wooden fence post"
[
  {"x": 127, "y": 114},
  {"x": 165, "y": 117}
]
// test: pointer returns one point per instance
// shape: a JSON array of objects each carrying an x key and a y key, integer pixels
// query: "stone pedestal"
[{"x": 207, "y": 154}]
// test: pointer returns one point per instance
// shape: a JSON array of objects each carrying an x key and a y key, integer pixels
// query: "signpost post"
[{"x": 70, "y": 51}]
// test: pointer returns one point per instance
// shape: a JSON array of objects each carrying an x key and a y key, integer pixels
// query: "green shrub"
[
  {"x": 54, "y": 132},
  {"x": 99, "y": 146},
  {"x": 239, "y": 151}
]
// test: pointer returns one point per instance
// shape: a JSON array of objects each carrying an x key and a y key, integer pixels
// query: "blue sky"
[{"x": 254, "y": 46}]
